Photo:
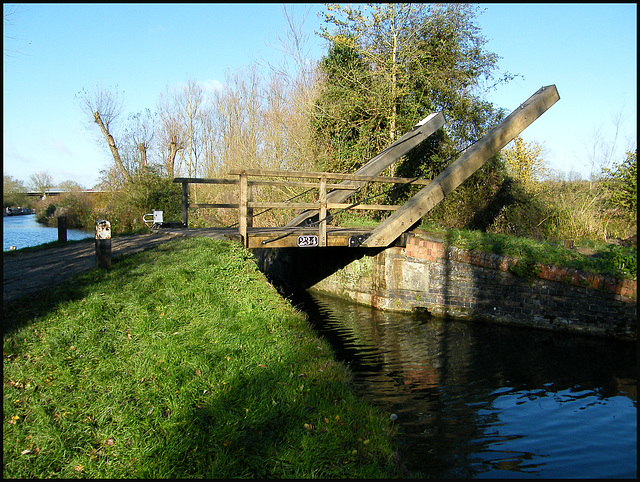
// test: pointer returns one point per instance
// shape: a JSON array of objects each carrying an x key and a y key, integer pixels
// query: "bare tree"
[
  {"x": 169, "y": 131},
  {"x": 600, "y": 150},
  {"x": 8, "y": 16},
  {"x": 183, "y": 114},
  {"x": 140, "y": 134},
  {"x": 297, "y": 79},
  {"x": 70, "y": 185},
  {"x": 41, "y": 182},
  {"x": 104, "y": 106},
  {"x": 190, "y": 101}
]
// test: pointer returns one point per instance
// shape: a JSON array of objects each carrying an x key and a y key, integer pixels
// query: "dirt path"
[{"x": 26, "y": 273}]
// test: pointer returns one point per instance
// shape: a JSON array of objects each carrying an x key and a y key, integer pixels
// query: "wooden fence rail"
[{"x": 246, "y": 204}]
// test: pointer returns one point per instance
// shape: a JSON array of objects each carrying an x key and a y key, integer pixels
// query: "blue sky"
[{"x": 52, "y": 51}]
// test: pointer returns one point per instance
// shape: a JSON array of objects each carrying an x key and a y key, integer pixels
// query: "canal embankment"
[{"x": 428, "y": 276}]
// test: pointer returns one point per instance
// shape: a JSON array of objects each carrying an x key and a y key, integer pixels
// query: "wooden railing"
[{"x": 314, "y": 180}]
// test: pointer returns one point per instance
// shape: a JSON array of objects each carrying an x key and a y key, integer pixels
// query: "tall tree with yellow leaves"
[{"x": 525, "y": 163}]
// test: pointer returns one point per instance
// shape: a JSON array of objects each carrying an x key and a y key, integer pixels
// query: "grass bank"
[
  {"x": 590, "y": 256},
  {"x": 597, "y": 258},
  {"x": 181, "y": 361}
]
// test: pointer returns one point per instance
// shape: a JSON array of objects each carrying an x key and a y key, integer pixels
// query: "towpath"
[{"x": 26, "y": 273}]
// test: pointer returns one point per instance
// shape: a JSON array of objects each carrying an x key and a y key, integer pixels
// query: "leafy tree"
[
  {"x": 388, "y": 66},
  {"x": 345, "y": 133},
  {"x": 385, "y": 38},
  {"x": 621, "y": 181},
  {"x": 147, "y": 190},
  {"x": 13, "y": 192},
  {"x": 524, "y": 162}
]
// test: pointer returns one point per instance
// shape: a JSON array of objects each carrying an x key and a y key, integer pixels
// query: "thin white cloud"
[
  {"x": 211, "y": 86},
  {"x": 14, "y": 160},
  {"x": 60, "y": 148},
  {"x": 156, "y": 29}
]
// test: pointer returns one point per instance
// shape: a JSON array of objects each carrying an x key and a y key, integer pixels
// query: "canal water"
[
  {"x": 23, "y": 231},
  {"x": 476, "y": 400}
]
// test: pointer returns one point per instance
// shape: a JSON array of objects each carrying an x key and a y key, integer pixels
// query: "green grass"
[
  {"x": 606, "y": 259},
  {"x": 181, "y": 361},
  {"x": 354, "y": 220}
]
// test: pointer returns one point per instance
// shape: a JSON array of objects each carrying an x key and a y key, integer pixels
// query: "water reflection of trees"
[{"x": 440, "y": 376}]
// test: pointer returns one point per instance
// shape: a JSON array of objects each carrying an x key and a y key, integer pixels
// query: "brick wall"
[
  {"x": 427, "y": 276},
  {"x": 431, "y": 250}
]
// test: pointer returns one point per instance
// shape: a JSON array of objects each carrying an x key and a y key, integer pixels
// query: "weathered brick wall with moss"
[
  {"x": 430, "y": 277},
  {"x": 481, "y": 285}
]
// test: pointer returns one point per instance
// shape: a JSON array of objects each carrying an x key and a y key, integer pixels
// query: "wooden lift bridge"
[{"x": 310, "y": 228}]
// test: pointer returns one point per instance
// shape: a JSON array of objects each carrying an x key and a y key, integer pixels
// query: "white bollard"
[{"x": 103, "y": 243}]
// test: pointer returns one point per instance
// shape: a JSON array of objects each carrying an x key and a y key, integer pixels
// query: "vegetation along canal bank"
[{"x": 180, "y": 361}]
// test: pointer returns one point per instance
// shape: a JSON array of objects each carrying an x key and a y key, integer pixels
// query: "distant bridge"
[{"x": 58, "y": 192}]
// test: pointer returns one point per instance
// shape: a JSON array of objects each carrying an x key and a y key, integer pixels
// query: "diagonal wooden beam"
[
  {"x": 379, "y": 163},
  {"x": 469, "y": 162}
]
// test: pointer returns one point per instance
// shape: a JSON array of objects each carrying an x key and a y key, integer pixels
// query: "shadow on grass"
[
  {"x": 22, "y": 311},
  {"x": 263, "y": 427}
]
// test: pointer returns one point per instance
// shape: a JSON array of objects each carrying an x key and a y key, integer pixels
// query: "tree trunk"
[
  {"x": 112, "y": 146},
  {"x": 394, "y": 90},
  {"x": 173, "y": 150},
  {"x": 394, "y": 82},
  {"x": 143, "y": 154}
]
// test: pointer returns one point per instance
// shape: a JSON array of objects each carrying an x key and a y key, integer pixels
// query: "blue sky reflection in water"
[
  {"x": 487, "y": 401},
  {"x": 24, "y": 231},
  {"x": 541, "y": 431}
]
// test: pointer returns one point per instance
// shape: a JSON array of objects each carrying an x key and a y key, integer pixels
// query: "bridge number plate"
[{"x": 307, "y": 241}]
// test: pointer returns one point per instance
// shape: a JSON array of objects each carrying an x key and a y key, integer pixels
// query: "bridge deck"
[{"x": 279, "y": 237}]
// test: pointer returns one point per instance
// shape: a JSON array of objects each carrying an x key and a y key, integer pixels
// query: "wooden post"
[
  {"x": 322, "y": 228},
  {"x": 185, "y": 204},
  {"x": 244, "y": 199},
  {"x": 469, "y": 162},
  {"x": 62, "y": 228},
  {"x": 249, "y": 209},
  {"x": 103, "y": 243}
]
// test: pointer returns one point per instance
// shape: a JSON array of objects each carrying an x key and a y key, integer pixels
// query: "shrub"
[
  {"x": 621, "y": 182},
  {"x": 492, "y": 201},
  {"x": 147, "y": 190},
  {"x": 621, "y": 260},
  {"x": 79, "y": 208},
  {"x": 123, "y": 208},
  {"x": 45, "y": 209}
]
